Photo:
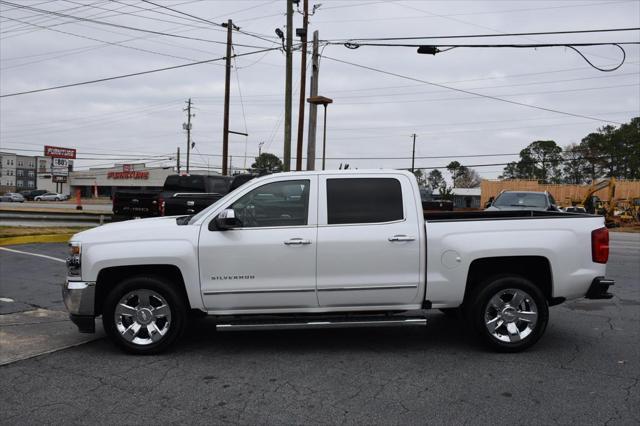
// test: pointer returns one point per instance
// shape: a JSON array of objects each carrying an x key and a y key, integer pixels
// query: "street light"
[{"x": 324, "y": 101}]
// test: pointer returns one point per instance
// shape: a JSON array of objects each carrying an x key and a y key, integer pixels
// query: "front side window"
[
  {"x": 364, "y": 200},
  {"x": 283, "y": 203}
]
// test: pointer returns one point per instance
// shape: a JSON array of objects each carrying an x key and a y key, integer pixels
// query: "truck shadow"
[{"x": 441, "y": 332}]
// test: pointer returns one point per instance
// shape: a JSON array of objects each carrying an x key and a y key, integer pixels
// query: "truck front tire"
[
  {"x": 144, "y": 315},
  {"x": 509, "y": 313}
]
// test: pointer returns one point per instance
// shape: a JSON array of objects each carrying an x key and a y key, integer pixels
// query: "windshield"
[{"x": 521, "y": 199}]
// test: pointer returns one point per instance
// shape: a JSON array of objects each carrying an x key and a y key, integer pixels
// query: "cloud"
[{"x": 373, "y": 114}]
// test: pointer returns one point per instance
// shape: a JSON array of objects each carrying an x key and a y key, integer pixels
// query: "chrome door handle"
[
  {"x": 297, "y": 242},
  {"x": 401, "y": 238}
]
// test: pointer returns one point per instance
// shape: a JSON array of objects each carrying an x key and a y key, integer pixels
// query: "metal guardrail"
[{"x": 30, "y": 216}]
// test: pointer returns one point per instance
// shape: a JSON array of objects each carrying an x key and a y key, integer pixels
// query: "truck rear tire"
[
  {"x": 509, "y": 313},
  {"x": 144, "y": 315}
]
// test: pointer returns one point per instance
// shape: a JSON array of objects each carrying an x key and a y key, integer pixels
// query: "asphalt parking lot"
[{"x": 585, "y": 370}]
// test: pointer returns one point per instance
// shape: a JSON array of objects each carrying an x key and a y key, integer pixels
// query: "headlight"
[{"x": 74, "y": 259}]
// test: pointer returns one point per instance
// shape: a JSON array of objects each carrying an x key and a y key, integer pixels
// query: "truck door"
[
  {"x": 368, "y": 241},
  {"x": 269, "y": 260}
]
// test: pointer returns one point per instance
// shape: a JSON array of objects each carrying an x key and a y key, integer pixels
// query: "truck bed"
[{"x": 495, "y": 215}]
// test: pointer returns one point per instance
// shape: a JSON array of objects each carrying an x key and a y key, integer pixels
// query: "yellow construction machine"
[{"x": 594, "y": 205}]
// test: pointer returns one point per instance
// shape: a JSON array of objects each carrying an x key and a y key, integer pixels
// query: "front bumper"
[
  {"x": 599, "y": 289},
  {"x": 79, "y": 298}
]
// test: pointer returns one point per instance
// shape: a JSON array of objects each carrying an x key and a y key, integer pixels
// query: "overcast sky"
[{"x": 373, "y": 114}]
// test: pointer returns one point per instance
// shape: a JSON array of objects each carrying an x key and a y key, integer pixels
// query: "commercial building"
[
  {"x": 7, "y": 172},
  {"x": 25, "y": 172}
]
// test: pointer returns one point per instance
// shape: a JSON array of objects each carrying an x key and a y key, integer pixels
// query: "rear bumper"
[
  {"x": 599, "y": 289},
  {"x": 79, "y": 298}
]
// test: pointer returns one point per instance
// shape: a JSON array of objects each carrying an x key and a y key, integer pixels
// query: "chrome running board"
[{"x": 309, "y": 323}]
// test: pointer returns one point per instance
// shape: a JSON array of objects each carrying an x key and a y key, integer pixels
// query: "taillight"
[
  {"x": 161, "y": 206},
  {"x": 600, "y": 245}
]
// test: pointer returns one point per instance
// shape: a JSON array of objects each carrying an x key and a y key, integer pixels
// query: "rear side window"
[
  {"x": 219, "y": 185},
  {"x": 364, "y": 200},
  {"x": 184, "y": 183}
]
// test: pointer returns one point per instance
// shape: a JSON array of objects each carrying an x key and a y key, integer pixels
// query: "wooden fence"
[{"x": 625, "y": 189}]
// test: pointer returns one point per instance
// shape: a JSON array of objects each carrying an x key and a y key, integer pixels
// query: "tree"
[
  {"x": 435, "y": 179},
  {"x": 267, "y": 162},
  {"x": 511, "y": 171},
  {"x": 446, "y": 192},
  {"x": 630, "y": 136},
  {"x": 468, "y": 178},
  {"x": 463, "y": 177},
  {"x": 420, "y": 177},
  {"x": 573, "y": 168},
  {"x": 540, "y": 160}
]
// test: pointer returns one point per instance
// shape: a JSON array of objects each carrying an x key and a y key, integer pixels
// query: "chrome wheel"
[
  {"x": 511, "y": 315},
  {"x": 142, "y": 317}
]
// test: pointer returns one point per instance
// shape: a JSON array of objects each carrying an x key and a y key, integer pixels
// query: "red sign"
[
  {"x": 57, "y": 152},
  {"x": 127, "y": 167},
  {"x": 128, "y": 175}
]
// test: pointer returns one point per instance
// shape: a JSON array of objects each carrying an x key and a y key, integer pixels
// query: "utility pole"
[
  {"x": 413, "y": 153},
  {"x": 260, "y": 148},
  {"x": 178, "y": 160},
  {"x": 227, "y": 84},
  {"x": 287, "y": 89},
  {"x": 303, "y": 81},
  {"x": 187, "y": 127},
  {"x": 313, "y": 108}
]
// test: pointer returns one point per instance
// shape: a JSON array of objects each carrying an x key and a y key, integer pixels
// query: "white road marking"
[
  {"x": 33, "y": 254},
  {"x": 6, "y": 299}
]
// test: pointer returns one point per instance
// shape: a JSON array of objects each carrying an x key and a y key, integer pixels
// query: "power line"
[
  {"x": 183, "y": 13},
  {"x": 208, "y": 21},
  {"x": 143, "y": 16},
  {"x": 573, "y": 46},
  {"x": 119, "y": 44},
  {"x": 537, "y": 33},
  {"x": 133, "y": 74},
  {"x": 105, "y": 119},
  {"x": 414, "y": 16},
  {"x": 112, "y": 154},
  {"x": 468, "y": 92},
  {"x": 104, "y": 42},
  {"x": 40, "y": 19},
  {"x": 484, "y": 27},
  {"x": 126, "y": 27}
]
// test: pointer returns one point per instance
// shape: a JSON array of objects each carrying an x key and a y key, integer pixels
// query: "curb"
[{"x": 30, "y": 239}]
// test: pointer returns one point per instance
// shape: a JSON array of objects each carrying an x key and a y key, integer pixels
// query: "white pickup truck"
[{"x": 329, "y": 249}]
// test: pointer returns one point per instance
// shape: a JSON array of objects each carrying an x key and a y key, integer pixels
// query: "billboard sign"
[
  {"x": 59, "y": 179},
  {"x": 58, "y": 152},
  {"x": 59, "y": 167}
]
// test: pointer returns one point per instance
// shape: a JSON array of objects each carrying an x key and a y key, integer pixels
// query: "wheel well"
[
  {"x": 534, "y": 268},
  {"x": 109, "y": 277}
]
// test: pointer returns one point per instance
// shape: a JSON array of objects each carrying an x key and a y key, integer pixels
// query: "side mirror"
[{"x": 224, "y": 221}]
